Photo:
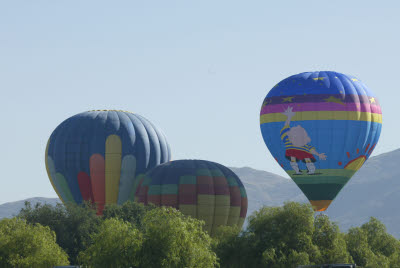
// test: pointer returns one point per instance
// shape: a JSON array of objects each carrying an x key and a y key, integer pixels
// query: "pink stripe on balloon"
[
  {"x": 322, "y": 106},
  {"x": 85, "y": 186},
  {"x": 97, "y": 170}
]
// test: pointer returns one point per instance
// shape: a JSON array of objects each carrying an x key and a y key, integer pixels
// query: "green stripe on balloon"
[
  {"x": 217, "y": 173},
  {"x": 320, "y": 191},
  {"x": 232, "y": 181},
  {"x": 64, "y": 187},
  {"x": 169, "y": 189},
  {"x": 323, "y": 180},
  {"x": 203, "y": 172},
  {"x": 242, "y": 192},
  {"x": 52, "y": 175},
  {"x": 187, "y": 179},
  {"x": 163, "y": 189},
  {"x": 154, "y": 190}
]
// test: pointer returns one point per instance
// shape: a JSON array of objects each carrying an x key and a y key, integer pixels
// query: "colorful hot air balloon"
[
  {"x": 320, "y": 127},
  {"x": 97, "y": 155},
  {"x": 198, "y": 188}
]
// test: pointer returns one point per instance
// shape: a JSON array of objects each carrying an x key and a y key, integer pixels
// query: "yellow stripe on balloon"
[
  {"x": 48, "y": 170},
  {"x": 113, "y": 168},
  {"x": 323, "y": 115},
  {"x": 221, "y": 212},
  {"x": 234, "y": 214},
  {"x": 206, "y": 209},
  {"x": 189, "y": 210}
]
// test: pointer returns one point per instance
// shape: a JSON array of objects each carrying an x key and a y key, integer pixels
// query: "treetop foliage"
[
  {"x": 26, "y": 245},
  {"x": 134, "y": 235}
]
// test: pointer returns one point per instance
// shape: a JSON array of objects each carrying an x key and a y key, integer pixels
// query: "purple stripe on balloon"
[
  {"x": 321, "y": 98},
  {"x": 320, "y": 106}
]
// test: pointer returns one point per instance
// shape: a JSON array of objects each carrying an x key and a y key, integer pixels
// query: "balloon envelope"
[
  {"x": 320, "y": 127},
  {"x": 198, "y": 188},
  {"x": 97, "y": 155}
]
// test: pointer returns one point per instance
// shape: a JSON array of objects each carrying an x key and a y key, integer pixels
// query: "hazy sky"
[{"x": 199, "y": 70}]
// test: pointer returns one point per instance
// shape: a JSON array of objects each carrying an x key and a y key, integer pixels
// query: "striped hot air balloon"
[
  {"x": 97, "y": 155},
  {"x": 321, "y": 127},
  {"x": 202, "y": 189}
]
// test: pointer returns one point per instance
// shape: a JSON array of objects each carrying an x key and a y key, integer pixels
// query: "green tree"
[
  {"x": 117, "y": 244},
  {"x": 330, "y": 242},
  {"x": 282, "y": 236},
  {"x": 25, "y": 245},
  {"x": 379, "y": 240},
  {"x": 132, "y": 212},
  {"x": 73, "y": 224},
  {"x": 174, "y": 240},
  {"x": 395, "y": 260},
  {"x": 230, "y": 246},
  {"x": 371, "y": 246}
]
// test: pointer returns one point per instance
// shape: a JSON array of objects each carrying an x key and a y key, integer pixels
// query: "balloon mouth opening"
[{"x": 320, "y": 205}]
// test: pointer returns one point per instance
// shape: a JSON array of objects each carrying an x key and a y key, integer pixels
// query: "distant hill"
[
  {"x": 265, "y": 188},
  {"x": 373, "y": 191},
  {"x": 10, "y": 209}
]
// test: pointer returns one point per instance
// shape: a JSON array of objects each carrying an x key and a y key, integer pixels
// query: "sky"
[{"x": 198, "y": 70}]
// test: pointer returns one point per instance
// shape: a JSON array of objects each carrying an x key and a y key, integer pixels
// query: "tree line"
[{"x": 134, "y": 235}]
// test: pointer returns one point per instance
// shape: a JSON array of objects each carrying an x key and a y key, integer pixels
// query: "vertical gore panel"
[
  {"x": 221, "y": 186},
  {"x": 205, "y": 185},
  {"x": 126, "y": 183},
  {"x": 113, "y": 167},
  {"x": 64, "y": 187},
  {"x": 205, "y": 196},
  {"x": 85, "y": 186},
  {"x": 234, "y": 214},
  {"x": 136, "y": 189},
  {"x": 205, "y": 209},
  {"x": 221, "y": 213},
  {"x": 235, "y": 208},
  {"x": 97, "y": 177},
  {"x": 142, "y": 195},
  {"x": 243, "y": 210},
  {"x": 51, "y": 171},
  {"x": 46, "y": 159},
  {"x": 236, "y": 198},
  {"x": 187, "y": 194}
]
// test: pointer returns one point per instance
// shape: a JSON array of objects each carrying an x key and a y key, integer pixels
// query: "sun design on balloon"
[{"x": 357, "y": 162}]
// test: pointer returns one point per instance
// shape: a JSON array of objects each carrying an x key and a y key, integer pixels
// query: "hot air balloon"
[
  {"x": 202, "y": 189},
  {"x": 97, "y": 155},
  {"x": 320, "y": 127}
]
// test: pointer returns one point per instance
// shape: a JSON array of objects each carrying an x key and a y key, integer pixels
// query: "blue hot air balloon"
[
  {"x": 97, "y": 155},
  {"x": 321, "y": 127}
]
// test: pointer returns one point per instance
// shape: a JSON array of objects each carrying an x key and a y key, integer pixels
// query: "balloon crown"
[{"x": 112, "y": 110}]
